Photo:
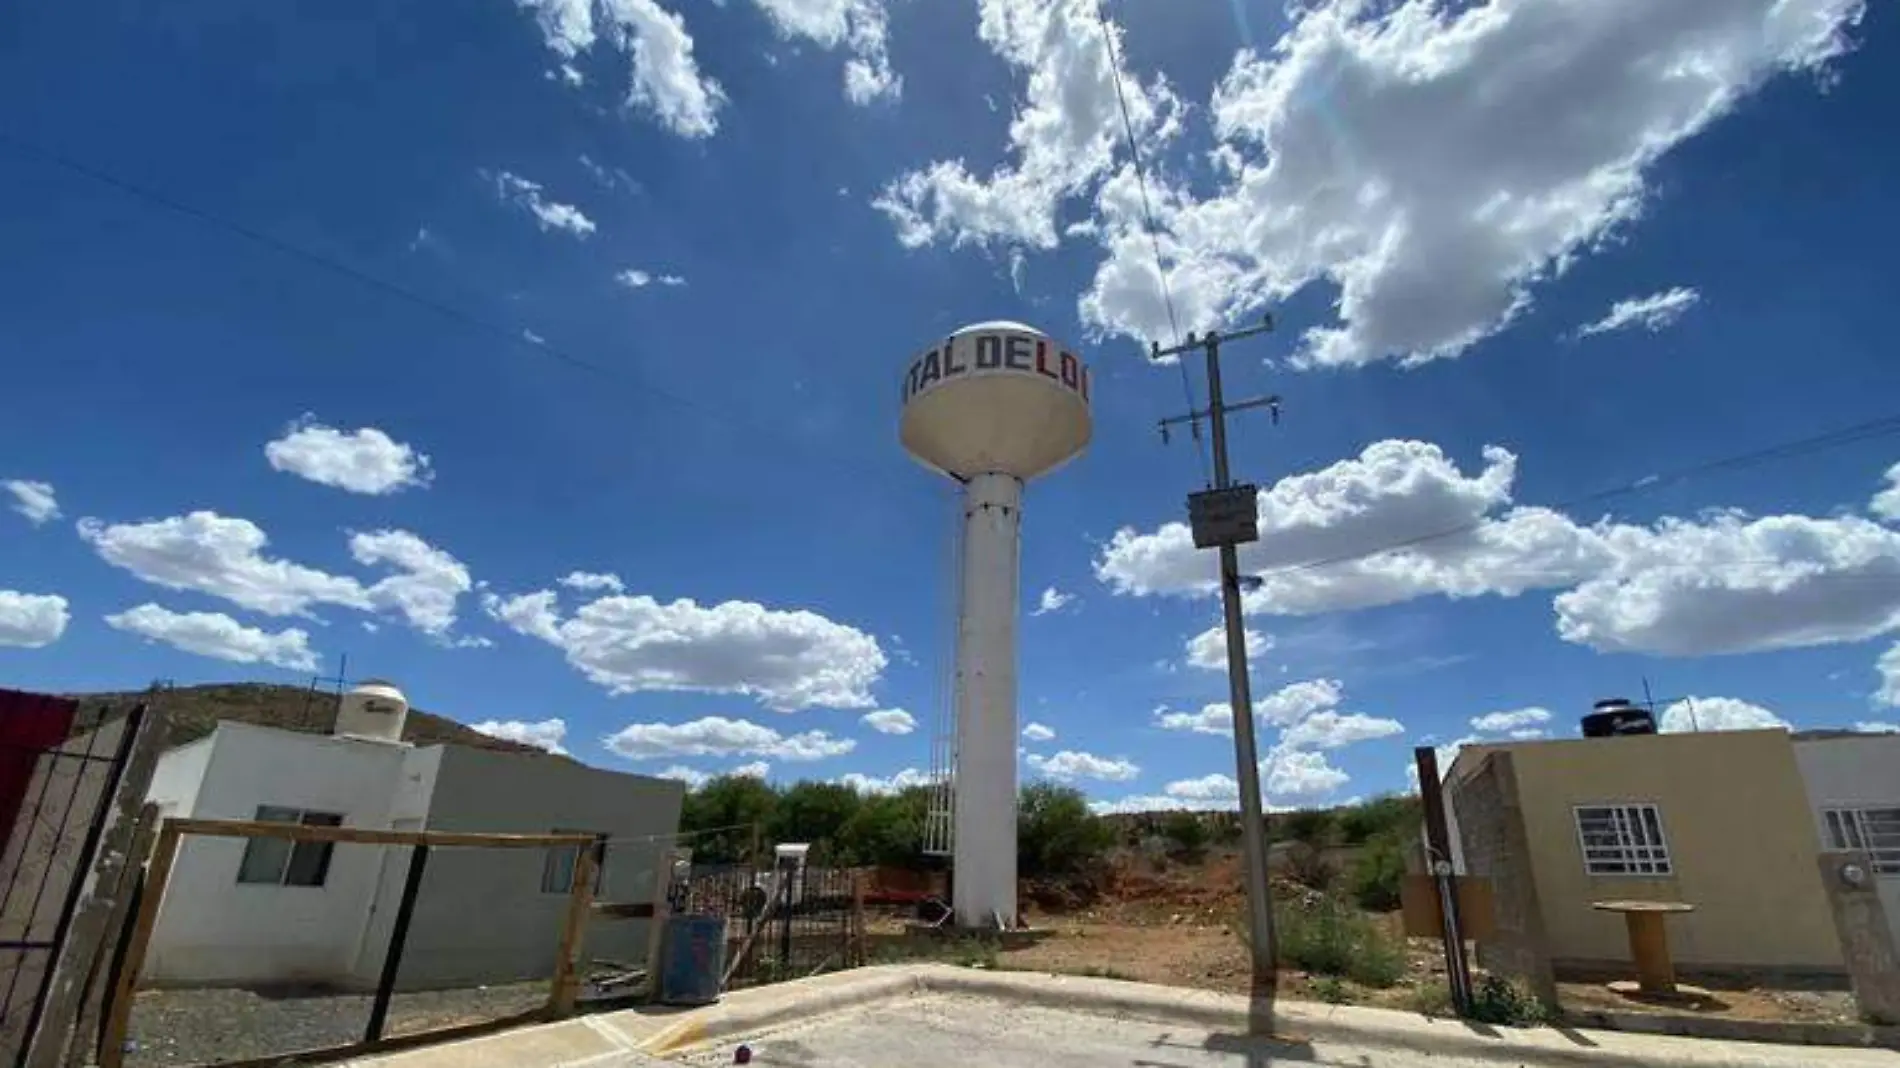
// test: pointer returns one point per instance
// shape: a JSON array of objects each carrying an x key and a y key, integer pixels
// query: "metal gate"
[
  {"x": 56, "y": 791},
  {"x": 780, "y": 924}
]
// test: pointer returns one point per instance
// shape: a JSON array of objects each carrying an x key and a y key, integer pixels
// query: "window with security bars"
[
  {"x": 1622, "y": 840},
  {"x": 1875, "y": 831}
]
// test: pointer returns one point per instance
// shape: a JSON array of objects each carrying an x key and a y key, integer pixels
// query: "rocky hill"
[{"x": 195, "y": 710}]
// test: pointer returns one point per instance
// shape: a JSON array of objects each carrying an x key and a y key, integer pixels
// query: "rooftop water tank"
[
  {"x": 374, "y": 710},
  {"x": 1615, "y": 716}
]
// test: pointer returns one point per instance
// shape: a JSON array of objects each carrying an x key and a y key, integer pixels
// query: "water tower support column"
[{"x": 984, "y": 884}]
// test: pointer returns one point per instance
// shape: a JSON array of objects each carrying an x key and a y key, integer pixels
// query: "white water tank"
[{"x": 374, "y": 710}]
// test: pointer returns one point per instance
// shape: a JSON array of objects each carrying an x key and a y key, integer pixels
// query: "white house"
[
  {"x": 261, "y": 911},
  {"x": 1853, "y": 783}
]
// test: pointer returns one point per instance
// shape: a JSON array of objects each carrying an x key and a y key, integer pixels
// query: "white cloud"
[
  {"x": 1733, "y": 585},
  {"x": 716, "y": 736},
  {"x": 1652, "y": 313},
  {"x": 633, "y": 278},
  {"x": 593, "y": 582},
  {"x": 1886, "y": 503},
  {"x": 1211, "y": 719},
  {"x": 1889, "y": 668},
  {"x": 365, "y": 460},
  {"x": 224, "y": 557},
  {"x": 428, "y": 583},
  {"x": 217, "y": 635},
  {"x": 1527, "y": 734},
  {"x": 1459, "y": 539},
  {"x": 1061, "y": 141},
  {"x": 1381, "y": 150},
  {"x": 1284, "y": 707},
  {"x": 1070, "y": 764},
  {"x": 1516, "y": 719},
  {"x": 1330, "y": 730},
  {"x": 871, "y": 784},
  {"x": 790, "y": 660},
  {"x": 1877, "y": 727},
  {"x": 1290, "y": 773},
  {"x": 1717, "y": 714},
  {"x": 1208, "y": 649},
  {"x": 890, "y": 721},
  {"x": 692, "y": 777},
  {"x": 546, "y": 734},
  {"x": 548, "y": 214},
  {"x": 32, "y": 620},
  {"x": 757, "y": 769},
  {"x": 1400, "y": 521},
  {"x": 1053, "y": 600},
  {"x": 34, "y": 500},
  {"x": 221, "y": 556},
  {"x": 666, "y": 84},
  {"x": 1294, "y": 702},
  {"x": 861, "y": 26},
  {"x": 1036, "y": 732}
]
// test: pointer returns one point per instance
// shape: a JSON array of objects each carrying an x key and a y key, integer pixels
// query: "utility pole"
[{"x": 1225, "y": 516}]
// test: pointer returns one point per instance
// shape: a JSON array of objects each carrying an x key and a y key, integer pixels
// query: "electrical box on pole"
[{"x": 1226, "y": 516}]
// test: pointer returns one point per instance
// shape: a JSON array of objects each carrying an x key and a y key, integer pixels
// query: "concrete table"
[{"x": 1649, "y": 941}]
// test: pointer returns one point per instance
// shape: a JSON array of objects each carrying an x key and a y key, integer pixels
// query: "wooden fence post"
[
  {"x": 119, "y": 1020},
  {"x": 564, "y": 991},
  {"x": 858, "y": 953},
  {"x": 662, "y": 909},
  {"x": 81, "y": 1046}
]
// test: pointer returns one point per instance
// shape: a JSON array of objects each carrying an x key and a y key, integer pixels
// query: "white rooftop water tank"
[{"x": 374, "y": 710}]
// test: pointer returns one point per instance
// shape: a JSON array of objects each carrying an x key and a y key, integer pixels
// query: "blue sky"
[{"x": 357, "y": 332}]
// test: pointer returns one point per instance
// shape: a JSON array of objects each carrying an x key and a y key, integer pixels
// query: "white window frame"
[
  {"x": 1858, "y": 827},
  {"x": 1637, "y": 854}
]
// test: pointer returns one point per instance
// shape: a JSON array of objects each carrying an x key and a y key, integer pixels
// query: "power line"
[
  {"x": 1867, "y": 431},
  {"x": 510, "y": 335},
  {"x": 1154, "y": 238}
]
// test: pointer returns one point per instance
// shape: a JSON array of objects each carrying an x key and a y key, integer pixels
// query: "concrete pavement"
[{"x": 920, "y": 1016}]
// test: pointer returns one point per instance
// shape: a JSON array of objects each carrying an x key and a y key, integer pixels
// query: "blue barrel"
[{"x": 692, "y": 959}]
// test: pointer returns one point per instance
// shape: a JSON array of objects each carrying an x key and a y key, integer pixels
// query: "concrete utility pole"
[{"x": 1225, "y": 516}]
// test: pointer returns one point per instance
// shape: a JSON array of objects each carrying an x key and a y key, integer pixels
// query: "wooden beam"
[
  {"x": 564, "y": 990},
  {"x": 119, "y": 1020},
  {"x": 656, "y": 928},
  {"x": 297, "y": 832}
]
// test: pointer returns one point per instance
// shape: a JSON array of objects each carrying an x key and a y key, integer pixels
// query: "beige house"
[{"x": 1719, "y": 820}]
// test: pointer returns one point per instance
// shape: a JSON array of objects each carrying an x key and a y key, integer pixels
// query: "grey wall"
[
  {"x": 481, "y": 916},
  {"x": 1492, "y": 839}
]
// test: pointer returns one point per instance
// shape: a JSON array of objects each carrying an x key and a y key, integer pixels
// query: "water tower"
[{"x": 992, "y": 406}]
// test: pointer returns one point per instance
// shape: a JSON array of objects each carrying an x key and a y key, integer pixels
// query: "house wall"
[
  {"x": 1862, "y": 771},
  {"x": 176, "y": 780},
  {"x": 214, "y": 930},
  {"x": 481, "y": 916},
  {"x": 1741, "y": 840}
]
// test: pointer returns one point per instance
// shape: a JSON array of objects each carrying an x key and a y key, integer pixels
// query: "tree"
[
  {"x": 1377, "y": 873},
  {"x": 886, "y": 829},
  {"x": 1187, "y": 833},
  {"x": 717, "y": 819},
  {"x": 1056, "y": 834},
  {"x": 813, "y": 812}
]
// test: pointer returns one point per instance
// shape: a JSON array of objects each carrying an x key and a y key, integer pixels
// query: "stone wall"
[{"x": 1491, "y": 833}]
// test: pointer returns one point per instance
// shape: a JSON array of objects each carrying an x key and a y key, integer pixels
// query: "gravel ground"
[{"x": 180, "y": 1027}]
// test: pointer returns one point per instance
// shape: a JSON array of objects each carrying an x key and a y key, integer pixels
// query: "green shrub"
[
  {"x": 1379, "y": 816},
  {"x": 1497, "y": 1000},
  {"x": 1377, "y": 873},
  {"x": 1056, "y": 834},
  {"x": 1431, "y": 999},
  {"x": 1310, "y": 825},
  {"x": 1331, "y": 990},
  {"x": 1326, "y": 936},
  {"x": 1310, "y": 868},
  {"x": 1187, "y": 836}
]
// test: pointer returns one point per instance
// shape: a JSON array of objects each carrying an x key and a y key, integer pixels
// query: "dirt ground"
[{"x": 1174, "y": 924}]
